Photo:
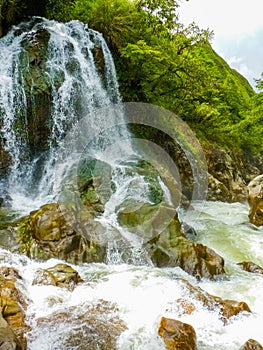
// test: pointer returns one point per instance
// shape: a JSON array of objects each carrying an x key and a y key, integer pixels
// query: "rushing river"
[
  {"x": 144, "y": 293},
  {"x": 141, "y": 292}
]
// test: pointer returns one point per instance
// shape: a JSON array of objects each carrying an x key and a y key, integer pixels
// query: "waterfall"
[
  {"x": 78, "y": 73},
  {"x": 69, "y": 119}
]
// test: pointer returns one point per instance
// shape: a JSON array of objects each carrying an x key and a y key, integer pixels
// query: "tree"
[
  {"x": 14, "y": 11},
  {"x": 115, "y": 19}
]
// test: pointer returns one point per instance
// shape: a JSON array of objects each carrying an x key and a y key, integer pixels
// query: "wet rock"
[
  {"x": 177, "y": 335},
  {"x": 184, "y": 307},
  {"x": 55, "y": 231},
  {"x": 5, "y": 161},
  {"x": 5, "y": 201},
  {"x": 13, "y": 306},
  {"x": 166, "y": 242},
  {"x": 251, "y": 344},
  {"x": 226, "y": 308},
  {"x": 251, "y": 267},
  {"x": 60, "y": 275},
  {"x": 86, "y": 326},
  {"x": 255, "y": 200},
  {"x": 94, "y": 184},
  {"x": 8, "y": 339},
  {"x": 148, "y": 220},
  {"x": 194, "y": 258}
]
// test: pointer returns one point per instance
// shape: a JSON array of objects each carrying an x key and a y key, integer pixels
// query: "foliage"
[
  {"x": 160, "y": 61},
  {"x": 113, "y": 18},
  {"x": 60, "y": 10}
]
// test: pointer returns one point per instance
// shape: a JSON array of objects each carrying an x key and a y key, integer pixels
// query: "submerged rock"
[
  {"x": 251, "y": 344},
  {"x": 251, "y": 267},
  {"x": 255, "y": 200},
  {"x": 86, "y": 326},
  {"x": 225, "y": 308},
  {"x": 177, "y": 335}
]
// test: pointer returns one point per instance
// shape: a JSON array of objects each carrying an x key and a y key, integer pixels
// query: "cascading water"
[
  {"x": 77, "y": 88},
  {"x": 142, "y": 293}
]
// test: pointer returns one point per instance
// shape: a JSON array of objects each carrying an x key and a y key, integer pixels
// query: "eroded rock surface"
[{"x": 255, "y": 200}]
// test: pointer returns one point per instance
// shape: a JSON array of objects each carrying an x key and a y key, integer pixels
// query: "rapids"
[{"x": 142, "y": 292}]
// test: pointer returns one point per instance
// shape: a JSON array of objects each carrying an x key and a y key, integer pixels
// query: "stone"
[
  {"x": 55, "y": 231},
  {"x": 251, "y": 267},
  {"x": 251, "y": 344},
  {"x": 8, "y": 339},
  {"x": 13, "y": 306},
  {"x": 165, "y": 241},
  {"x": 225, "y": 308},
  {"x": 194, "y": 258},
  {"x": 60, "y": 275},
  {"x": 86, "y": 326},
  {"x": 255, "y": 200},
  {"x": 226, "y": 175},
  {"x": 5, "y": 161},
  {"x": 177, "y": 335}
]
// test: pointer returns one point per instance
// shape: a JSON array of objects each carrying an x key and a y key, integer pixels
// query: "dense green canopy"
[{"x": 162, "y": 62}]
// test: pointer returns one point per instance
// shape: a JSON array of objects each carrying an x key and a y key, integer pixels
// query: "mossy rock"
[{"x": 55, "y": 231}]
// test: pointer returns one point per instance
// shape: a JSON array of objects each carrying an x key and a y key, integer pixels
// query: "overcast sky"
[{"x": 238, "y": 29}]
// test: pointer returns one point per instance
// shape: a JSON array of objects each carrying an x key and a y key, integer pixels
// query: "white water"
[
  {"x": 78, "y": 90},
  {"x": 144, "y": 293}
]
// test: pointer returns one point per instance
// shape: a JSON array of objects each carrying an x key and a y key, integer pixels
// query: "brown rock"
[
  {"x": 13, "y": 305},
  {"x": 251, "y": 267},
  {"x": 85, "y": 327},
  {"x": 177, "y": 335},
  {"x": 5, "y": 160},
  {"x": 61, "y": 275},
  {"x": 55, "y": 231},
  {"x": 194, "y": 258},
  {"x": 251, "y": 344},
  {"x": 184, "y": 307},
  {"x": 226, "y": 308},
  {"x": 255, "y": 200},
  {"x": 226, "y": 177},
  {"x": 8, "y": 339}
]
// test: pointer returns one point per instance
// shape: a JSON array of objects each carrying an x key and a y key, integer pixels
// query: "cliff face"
[{"x": 229, "y": 174}]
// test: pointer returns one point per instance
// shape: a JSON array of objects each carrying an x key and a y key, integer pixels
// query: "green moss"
[{"x": 24, "y": 235}]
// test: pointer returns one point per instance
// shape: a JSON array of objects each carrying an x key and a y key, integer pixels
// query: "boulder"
[
  {"x": 177, "y": 335},
  {"x": 55, "y": 231},
  {"x": 165, "y": 241},
  {"x": 194, "y": 258},
  {"x": 8, "y": 339},
  {"x": 255, "y": 200},
  {"x": 86, "y": 326},
  {"x": 60, "y": 275},
  {"x": 225, "y": 308},
  {"x": 13, "y": 305},
  {"x": 251, "y": 267},
  {"x": 251, "y": 344}
]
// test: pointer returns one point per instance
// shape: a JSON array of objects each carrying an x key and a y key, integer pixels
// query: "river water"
[
  {"x": 142, "y": 292},
  {"x": 145, "y": 293}
]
